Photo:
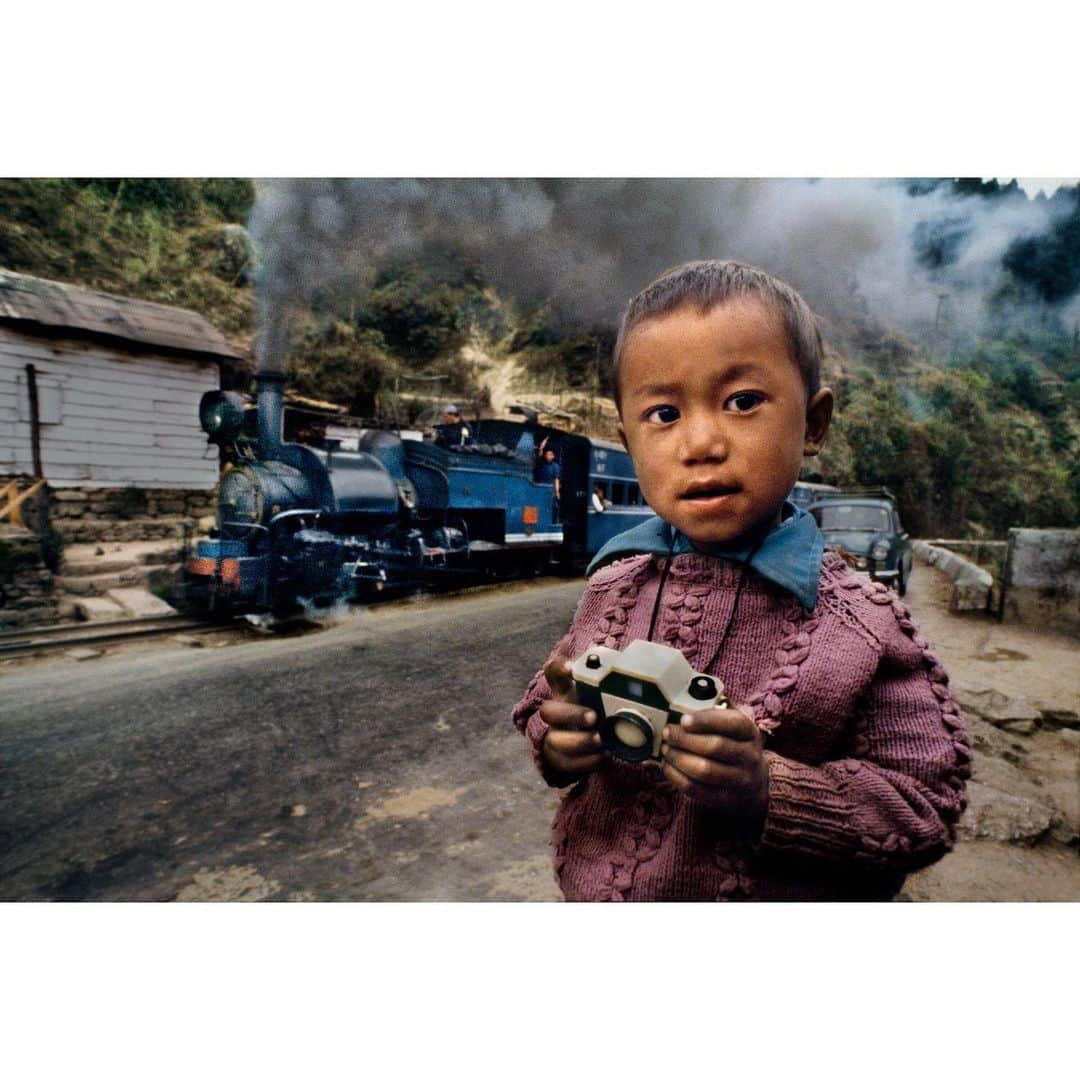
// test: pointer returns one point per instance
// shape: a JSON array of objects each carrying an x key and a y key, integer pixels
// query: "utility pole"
[{"x": 942, "y": 297}]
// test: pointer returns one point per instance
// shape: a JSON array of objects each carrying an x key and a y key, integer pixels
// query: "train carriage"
[{"x": 299, "y": 527}]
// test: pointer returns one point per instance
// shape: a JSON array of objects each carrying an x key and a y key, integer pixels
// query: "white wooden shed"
[{"x": 117, "y": 383}]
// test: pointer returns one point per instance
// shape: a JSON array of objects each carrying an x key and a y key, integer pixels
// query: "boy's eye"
[
  {"x": 661, "y": 414},
  {"x": 744, "y": 401}
]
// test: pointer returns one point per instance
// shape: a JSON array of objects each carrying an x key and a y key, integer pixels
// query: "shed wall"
[{"x": 126, "y": 419}]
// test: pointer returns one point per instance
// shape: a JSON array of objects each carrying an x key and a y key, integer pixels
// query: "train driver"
[
  {"x": 454, "y": 432},
  {"x": 548, "y": 471}
]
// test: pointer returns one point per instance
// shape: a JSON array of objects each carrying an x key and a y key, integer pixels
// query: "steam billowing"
[{"x": 906, "y": 252}]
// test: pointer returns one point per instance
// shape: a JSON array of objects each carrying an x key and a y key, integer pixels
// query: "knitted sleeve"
[
  {"x": 527, "y": 719},
  {"x": 893, "y": 802}
]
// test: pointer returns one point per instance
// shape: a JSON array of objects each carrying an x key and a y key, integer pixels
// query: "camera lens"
[{"x": 627, "y": 735}]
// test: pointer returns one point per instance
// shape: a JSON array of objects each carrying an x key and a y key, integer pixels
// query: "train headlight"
[
  {"x": 240, "y": 503},
  {"x": 221, "y": 415}
]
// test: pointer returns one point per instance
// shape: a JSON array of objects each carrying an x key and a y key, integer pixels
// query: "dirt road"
[
  {"x": 1020, "y": 836},
  {"x": 375, "y": 761}
]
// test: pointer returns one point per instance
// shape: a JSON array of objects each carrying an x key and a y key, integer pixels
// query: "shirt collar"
[{"x": 789, "y": 555}]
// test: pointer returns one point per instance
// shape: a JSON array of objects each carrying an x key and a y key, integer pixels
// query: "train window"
[
  {"x": 634, "y": 496},
  {"x": 618, "y": 494}
]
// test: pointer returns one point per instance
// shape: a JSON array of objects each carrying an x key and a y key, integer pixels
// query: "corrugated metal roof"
[
  {"x": 314, "y": 404},
  {"x": 52, "y": 304}
]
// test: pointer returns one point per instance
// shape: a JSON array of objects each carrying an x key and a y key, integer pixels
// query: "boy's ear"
[
  {"x": 622, "y": 437},
  {"x": 818, "y": 417}
]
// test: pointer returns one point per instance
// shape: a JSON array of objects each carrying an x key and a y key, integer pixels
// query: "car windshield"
[{"x": 857, "y": 518}]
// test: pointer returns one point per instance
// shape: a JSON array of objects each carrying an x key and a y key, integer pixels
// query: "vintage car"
[
  {"x": 865, "y": 525},
  {"x": 804, "y": 493}
]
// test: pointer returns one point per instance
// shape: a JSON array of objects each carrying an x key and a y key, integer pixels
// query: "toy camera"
[{"x": 635, "y": 692}]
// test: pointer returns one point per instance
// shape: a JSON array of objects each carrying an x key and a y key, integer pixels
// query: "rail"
[{"x": 70, "y": 635}]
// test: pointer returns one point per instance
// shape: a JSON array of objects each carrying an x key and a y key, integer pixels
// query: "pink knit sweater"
[{"x": 866, "y": 749}]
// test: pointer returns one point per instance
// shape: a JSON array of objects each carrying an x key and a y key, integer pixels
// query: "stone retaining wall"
[
  {"x": 1042, "y": 579},
  {"x": 27, "y": 597},
  {"x": 989, "y": 554},
  {"x": 123, "y": 514},
  {"x": 973, "y": 587}
]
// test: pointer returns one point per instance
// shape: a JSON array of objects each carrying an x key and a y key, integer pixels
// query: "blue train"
[{"x": 300, "y": 528}]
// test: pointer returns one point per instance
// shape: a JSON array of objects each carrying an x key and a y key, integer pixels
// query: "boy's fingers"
[
  {"x": 576, "y": 764},
  {"x": 732, "y": 723},
  {"x": 692, "y": 769},
  {"x": 557, "y": 672},
  {"x": 565, "y": 714},
  {"x": 573, "y": 743},
  {"x": 715, "y": 747}
]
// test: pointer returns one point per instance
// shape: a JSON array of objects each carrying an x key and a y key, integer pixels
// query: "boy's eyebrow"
[
  {"x": 654, "y": 390},
  {"x": 726, "y": 375}
]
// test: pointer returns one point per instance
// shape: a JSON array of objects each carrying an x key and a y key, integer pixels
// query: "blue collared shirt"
[{"x": 789, "y": 555}]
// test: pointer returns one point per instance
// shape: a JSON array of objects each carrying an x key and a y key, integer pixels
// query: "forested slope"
[{"x": 973, "y": 432}]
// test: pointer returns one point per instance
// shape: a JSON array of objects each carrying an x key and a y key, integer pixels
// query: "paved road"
[{"x": 373, "y": 760}]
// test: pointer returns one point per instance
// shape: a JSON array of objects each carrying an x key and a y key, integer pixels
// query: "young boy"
[{"x": 840, "y": 765}]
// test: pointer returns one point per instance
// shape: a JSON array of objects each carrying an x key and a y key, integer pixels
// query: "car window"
[{"x": 862, "y": 518}]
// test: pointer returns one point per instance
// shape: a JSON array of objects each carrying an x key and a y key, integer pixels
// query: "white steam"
[{"x": 589, "y": 245}]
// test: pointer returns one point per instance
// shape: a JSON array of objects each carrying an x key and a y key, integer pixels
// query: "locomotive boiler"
[{"x": 300, "y": 528}]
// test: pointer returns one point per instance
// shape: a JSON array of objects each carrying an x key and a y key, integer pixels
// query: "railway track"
[
  {"x": 46, "y": 639},
  {"x": 73, "y": 635}
]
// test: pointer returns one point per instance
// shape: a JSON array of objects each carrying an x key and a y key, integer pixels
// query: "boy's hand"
[
  {"x": 715, "y": 758},
  {"x": 572, "y": 744}
]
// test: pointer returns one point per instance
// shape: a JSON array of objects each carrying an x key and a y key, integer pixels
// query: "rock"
[
  {"x": 1070, "y": 735},
  {"x": 97, "y": 609},
  {"x": 191, "y": 640},
  {"x": 1020, "y": 727},
  {"x": 82, "y": 654},
  {"x": 139, "y": 603},
  {"x": 1060, "y": 718},
  {"x": 1017, "y": 714},
  {"x": 993, "y": 814}
]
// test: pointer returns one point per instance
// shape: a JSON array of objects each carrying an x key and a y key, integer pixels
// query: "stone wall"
[
  {"x": 973, "y": 586},
  {"x": 1042, "y": 579},
  {"x": 989, "y": 554},
  {"x": 26, "y": 584},
  {"x": 88, "y": 515}
]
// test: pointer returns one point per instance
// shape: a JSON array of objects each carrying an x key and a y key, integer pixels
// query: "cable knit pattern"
[
  {"x": 641, "y": 837},
  {"x": 866, "y": 748},
  {"x": 611, "y": 627},
  {"x": 766, "y": 705}
]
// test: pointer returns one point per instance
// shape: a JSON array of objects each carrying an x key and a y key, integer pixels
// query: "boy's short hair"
[{"x": 708, "y": 282}]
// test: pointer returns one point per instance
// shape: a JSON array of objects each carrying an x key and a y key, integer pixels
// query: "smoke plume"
[{"x": 910, "y": 253}]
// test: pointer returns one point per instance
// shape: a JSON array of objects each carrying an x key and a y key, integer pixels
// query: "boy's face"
[{"x": 713, "y": 411}]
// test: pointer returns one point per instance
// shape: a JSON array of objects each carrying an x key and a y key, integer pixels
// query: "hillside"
[{"x": 973, "y": 433}]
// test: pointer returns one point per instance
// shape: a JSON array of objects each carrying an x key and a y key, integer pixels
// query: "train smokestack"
[{"x": 269, "y": 391}]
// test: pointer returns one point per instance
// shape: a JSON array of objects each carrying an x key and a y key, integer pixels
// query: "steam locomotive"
[{"x": 300, "y": 528}]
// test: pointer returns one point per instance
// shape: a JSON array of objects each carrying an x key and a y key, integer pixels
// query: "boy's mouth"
[{"x": 706, "y": 491}]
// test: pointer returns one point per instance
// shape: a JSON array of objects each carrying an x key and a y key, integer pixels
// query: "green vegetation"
[
  {"x": 16, "y": 553},
  {"x": 973, "y": 436},
  {"x": 161, "y": 240},
  {"x": 984, "y": 442}
]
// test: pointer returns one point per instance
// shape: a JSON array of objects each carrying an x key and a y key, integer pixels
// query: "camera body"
[{"x": 636, "y": 691}]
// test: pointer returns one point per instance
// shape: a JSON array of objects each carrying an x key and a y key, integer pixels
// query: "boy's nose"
[{"x": 703, "y": 439}]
